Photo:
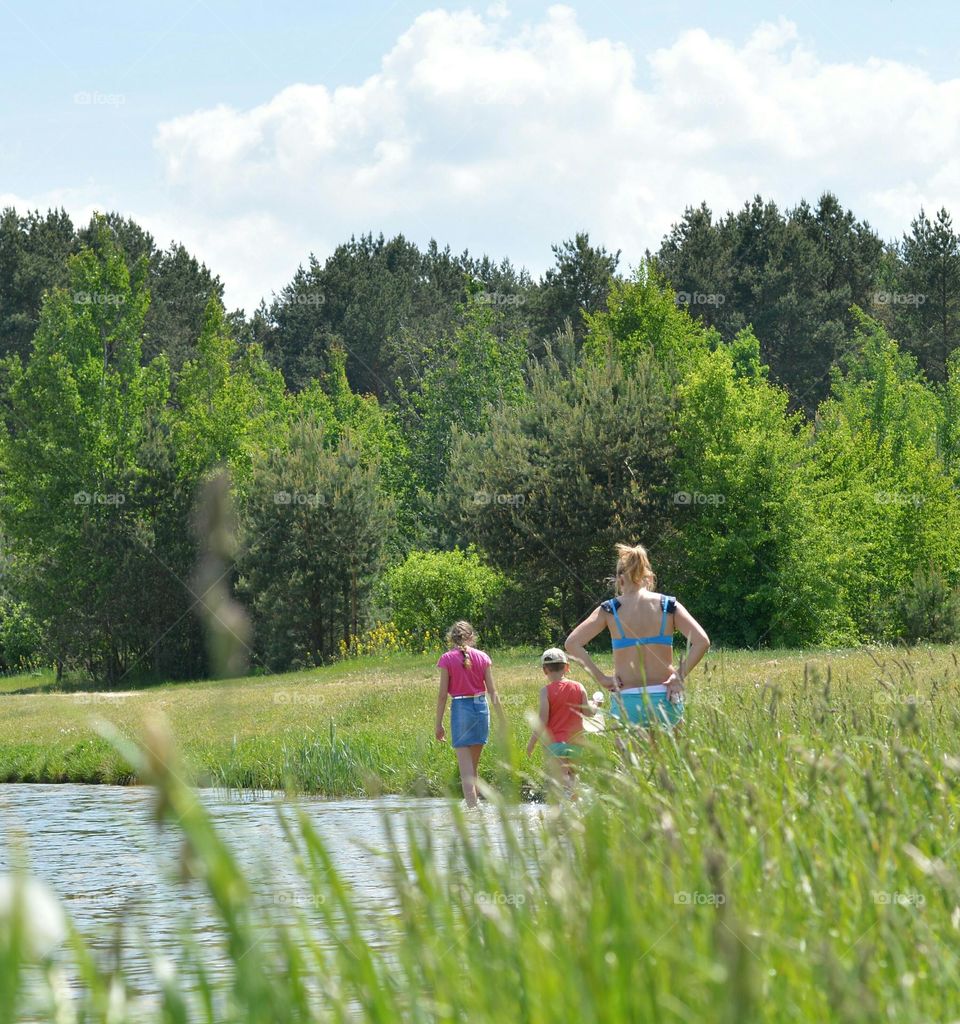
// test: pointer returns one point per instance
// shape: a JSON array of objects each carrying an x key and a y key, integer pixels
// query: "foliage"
[
  {"x": 315, "y": 529},
  {"x": 888, "y": 500},
  {"x": 430, "y": 590},
  {"x": 21, "y": 637},
  {"x": 929, "y": 607},
  {"x": 74, "y": 421},
  {"x": 556, "y": 481},
  {"x": 750, "y": 552},
  {"x": 383, "y": 639}
]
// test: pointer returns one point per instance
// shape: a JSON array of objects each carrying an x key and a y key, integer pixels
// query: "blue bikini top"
[{"x": 667, "y": 606}]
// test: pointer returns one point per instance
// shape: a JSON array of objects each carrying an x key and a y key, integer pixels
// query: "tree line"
[{"x": 771, "y": 402}]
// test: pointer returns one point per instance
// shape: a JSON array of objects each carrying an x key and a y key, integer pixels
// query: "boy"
[{"x": 563, "y": 703}]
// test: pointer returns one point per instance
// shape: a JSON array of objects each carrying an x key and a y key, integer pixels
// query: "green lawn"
[{"x": 366, "y": 726}]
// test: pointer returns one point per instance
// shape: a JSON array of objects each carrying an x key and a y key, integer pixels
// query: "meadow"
[
  {"x": 365, "y": 726},
  {"x": 793, "y": 856}
]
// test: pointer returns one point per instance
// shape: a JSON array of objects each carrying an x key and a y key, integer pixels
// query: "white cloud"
[{"x": 504, "y": 137}]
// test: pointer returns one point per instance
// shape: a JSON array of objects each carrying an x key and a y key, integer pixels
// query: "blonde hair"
[
  {"x": 462, "y": 636},
  {"x": 634, "y": 562}
]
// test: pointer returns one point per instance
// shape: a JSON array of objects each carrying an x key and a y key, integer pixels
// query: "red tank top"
[{"x": 565, "y": 698}]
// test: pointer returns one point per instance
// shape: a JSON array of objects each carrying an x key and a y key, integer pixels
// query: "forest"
[{"x": 404, "y": 435}]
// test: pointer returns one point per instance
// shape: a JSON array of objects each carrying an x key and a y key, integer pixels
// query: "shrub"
[
  {"x": 21, "y": 638},
  {"x": 929, "y": 608},
  {"x": 431, "y": 589}
]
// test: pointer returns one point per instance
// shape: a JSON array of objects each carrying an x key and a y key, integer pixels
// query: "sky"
[{"x": 259, "y": 133}]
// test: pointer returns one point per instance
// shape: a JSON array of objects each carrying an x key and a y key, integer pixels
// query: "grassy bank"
[
  {"x": 366, "y": 726},
  {"x": 793, "y": 858}
]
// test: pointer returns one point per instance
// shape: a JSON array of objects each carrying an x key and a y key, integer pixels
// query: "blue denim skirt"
[{"x": 469, "y": 720}]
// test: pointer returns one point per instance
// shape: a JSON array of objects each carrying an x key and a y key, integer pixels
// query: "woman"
[
  {"x": 466, "y": 674},
  {"x": 647, "y": 684}
]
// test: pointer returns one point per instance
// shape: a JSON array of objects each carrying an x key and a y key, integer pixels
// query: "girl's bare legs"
[{"x": 468, "y": 758}]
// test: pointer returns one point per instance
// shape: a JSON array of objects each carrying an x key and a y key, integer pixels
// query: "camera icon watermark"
[
  {"x": 486, "y": 498},
  {"x": 308, "y": 499},
  {"x": 899, "y": 298},
  {"x": 87, "y": 98},
  {"x": 498, "y": 299},
  {"x": 899, "y": 498},
  {"x": 312, "y": 298},
  {"x": 97, "y": 498},
  {"x": 299, "y": 900},
  {"x": 698, "y": 498},
  {"x": 700, "y": 299},
  {"x": 699, "y": 899},
  {"x": 500, "y": 899},
  {"x": 97, "y": 298},
  {"x": 901, "y": 899}
]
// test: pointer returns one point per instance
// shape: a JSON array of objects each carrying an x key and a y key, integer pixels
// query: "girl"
[
  {"x": 641, "y": 623},
  {"x": 466, "y": 674}
]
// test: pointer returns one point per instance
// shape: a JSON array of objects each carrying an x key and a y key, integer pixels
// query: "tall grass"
[{"x": 791, "y": 856}]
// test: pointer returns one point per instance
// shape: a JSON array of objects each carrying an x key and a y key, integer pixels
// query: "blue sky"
[{"x": 182, "y": 115}]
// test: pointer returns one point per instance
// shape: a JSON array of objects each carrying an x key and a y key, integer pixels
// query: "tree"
[
  {"x": 180, "y": 287},
  {"x": 889, "y": 502},
  {"x": 479, "y": 372},
  {"x": 552, "y": 483},
  {"x": 578, "y": 283},
  {"x": 33, "y": 258},
  {"x": 748, "y": 553},
  {"x": 73, "y": 423},
  {"x": 643, "y": 318},
  {"x": 315, "y": 529},
  {"x": 372, "y": 298},
  {"x": 925, "y": 300},
  {"x": 230, "y": 403},
  {"x": 791, "y": 276}
]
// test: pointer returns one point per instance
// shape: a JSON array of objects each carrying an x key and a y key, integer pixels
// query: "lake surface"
[{"x": 99, "y": 848}]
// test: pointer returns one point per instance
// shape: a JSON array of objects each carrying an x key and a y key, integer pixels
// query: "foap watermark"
[
  {"x": 296, "y": 698},
  {"x": 902, "y": 899},
  {"x": 97, "y": 298},
  {"x": 305, "y": 299},
  {"x": 486, "y": 498},
  {"x": 899, "y": 298},
  {"x": 98, "y": 498},
  {"x": 887, "y": 699},
  {"x": 500, "y": 899},
  {"x": 93, "y": 98},
  {"x": 299, "y": 900},
  {"x": 110, "y": 699},
  {"x": 699, "y": 899},
  {"x": 899, "y": 498},
  {"x": 700, "y": 299},
  {"x": 498, "y": 299},
  {"x": 311, "y": 500},
  {"x": 698, "y": 498}
]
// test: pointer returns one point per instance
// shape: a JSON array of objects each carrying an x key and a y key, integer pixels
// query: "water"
[{"x": 117, "y": 874}]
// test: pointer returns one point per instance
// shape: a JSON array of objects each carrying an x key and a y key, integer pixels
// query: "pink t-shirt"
[{"x": 464, "y": 683}]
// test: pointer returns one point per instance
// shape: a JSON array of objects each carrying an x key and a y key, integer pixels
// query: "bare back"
[{"x": 641, "y": 615}]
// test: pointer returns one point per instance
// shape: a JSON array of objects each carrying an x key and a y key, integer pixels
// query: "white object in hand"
[{"x": 598, "y": 697}]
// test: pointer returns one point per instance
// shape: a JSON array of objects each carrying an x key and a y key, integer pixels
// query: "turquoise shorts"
[
  {"x": 565, "y": 749},
  {"x": 648, "y": 709}
]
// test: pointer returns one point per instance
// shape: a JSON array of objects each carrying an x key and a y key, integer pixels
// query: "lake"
[{"x": 100, "y": 849}]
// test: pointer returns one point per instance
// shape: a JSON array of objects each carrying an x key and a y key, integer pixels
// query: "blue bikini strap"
[
  {"x": 612, "y": 606},
  {"x": 667, "y": 605}
]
